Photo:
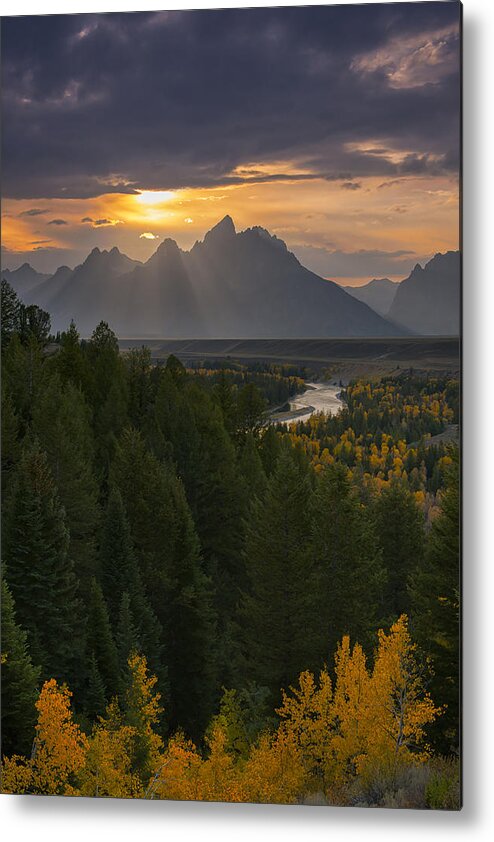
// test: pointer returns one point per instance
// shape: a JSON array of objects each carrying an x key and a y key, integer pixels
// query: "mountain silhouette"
[
  {"x": 378, "y": 294},
  {"x": 229, "y": 285},
  {"x": 428, "y": 301}
]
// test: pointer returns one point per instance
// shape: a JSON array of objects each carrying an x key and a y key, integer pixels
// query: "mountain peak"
[{"x": 223, "y": 230}]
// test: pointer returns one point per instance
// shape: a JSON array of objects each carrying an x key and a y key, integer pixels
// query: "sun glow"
[{"x": 155, "y": 197}]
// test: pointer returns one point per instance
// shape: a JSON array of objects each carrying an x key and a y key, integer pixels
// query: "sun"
[{"x": 155, "y": 197}]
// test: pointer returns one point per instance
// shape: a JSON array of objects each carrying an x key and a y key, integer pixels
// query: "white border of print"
[{"x": 78, "y": 820}]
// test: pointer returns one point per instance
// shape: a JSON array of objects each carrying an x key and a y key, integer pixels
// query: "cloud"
[
  {"x": 415, "y": 61},
  {"x": 104, "y": 222},
  {"x": 351, "y": 185},
  {"x": 392, "y": 183},
  {"x": 356, "y": 72},
  {"x": 97, "y": 223},
  {"x": 58, "y": 222},
  {"x": 34, "y": 212},
  {"x": 371, "y": 263},
  {"x": 147, "y": 235}
]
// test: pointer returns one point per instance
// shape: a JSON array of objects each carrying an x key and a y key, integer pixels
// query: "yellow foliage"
[
  {"x": 59, "y": 750},
  {"x": 275, "y": 771}
]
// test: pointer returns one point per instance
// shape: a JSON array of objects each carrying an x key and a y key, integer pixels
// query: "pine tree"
[
  {"x": 270, "y": 449},
  {"x": 19, "y": 683},
  {"x": 39, "y": 570},
  {"x": 95, "y": 697},
  {"x": 10, "y": 438},
  {"x": 70, "y": 362},
  {"x": 167, "y": 551},
  {"x": 61, "y": 423},
  {"x": 278, "y": 611},
  {"x": 100, "y": 642},
  {"x": 10, "y": 311},
  {"x": 22, "y": 374},
  {"x": 189, "y": 626},
  {"x": 251, "y": 411},
  {"x": 108, "y": 392},
  {"x": 435, "y": 595},
  {"x": 127, "y": 637},
  {"x": 252, "y": 470},
  {"x": 120, "y": 574},
  {"x": 138, "y": 364},
  {"x": 349, "y": 567},
  {"x": 116, "y": 553},
  {"x": 400, "y": 534}
]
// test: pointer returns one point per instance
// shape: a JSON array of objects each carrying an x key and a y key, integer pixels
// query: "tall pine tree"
[
  {"x": 435, "y": 595},
  {"x": 40, "y": 571},
  {"x": 19, "y": 683},
  {"x": 349, "y": 566},
  {"x": 278, "y": 617}
]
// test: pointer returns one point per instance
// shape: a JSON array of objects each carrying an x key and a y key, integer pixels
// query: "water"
[{"x": 318, "y": 397}]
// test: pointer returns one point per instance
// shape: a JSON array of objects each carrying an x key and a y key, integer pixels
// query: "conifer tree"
[
  {"x": 61, "y": 423},
  {"x": 39, "y": 570},
  {"x": 278, "y": 610},
  {"x": 22, "y": 373},
  {"x": 108, "y": 391},
  {"x": 400, "y": 535},
  {"x": 270, "y": 449},
  {"x": 251, "y": 469},
  {"x": 10, "y": 311},
  {"x": 100, "y": 642},
  {"x": 167, "y": 551},
  {"x": 10, "y": 438},
  {"x": 71, "y": 363},
  {"x": 95, "y": 697},
  {"x": 189, "y": 626},
  {"x": 349, "y": 567},
  {"x": 120, "y": 573},
  {"x": 116, "y": 552},
  {"x": 435, "y": 594},
  {"x": 19, "y": 683},
  {"x": 126, "y": 635}
]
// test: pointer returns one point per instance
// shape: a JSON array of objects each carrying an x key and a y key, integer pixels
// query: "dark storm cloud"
[{"x": 116, "y": 103}]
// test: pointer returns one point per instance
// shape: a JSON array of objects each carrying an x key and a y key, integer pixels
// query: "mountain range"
[
  {"x": 232, "y": 284},
  {"x": 428, "y": 301},
  {"x": 378, "y": 294}
]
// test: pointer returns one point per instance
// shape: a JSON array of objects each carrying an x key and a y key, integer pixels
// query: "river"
[{"x": 318, "y": 397}]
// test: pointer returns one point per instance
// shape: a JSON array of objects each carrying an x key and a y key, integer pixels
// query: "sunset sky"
[{"x": 337, "y": 128}]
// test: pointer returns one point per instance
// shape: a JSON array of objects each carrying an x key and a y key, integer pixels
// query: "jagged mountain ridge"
[
  {"x": 428, "y": 301},
  {"x": 229, "y": 285}
]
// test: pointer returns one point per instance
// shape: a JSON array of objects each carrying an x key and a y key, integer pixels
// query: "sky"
[{"x": 336, "y": 128}]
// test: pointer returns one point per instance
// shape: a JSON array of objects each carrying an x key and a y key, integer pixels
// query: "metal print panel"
[{"x": 230, "y": 405}]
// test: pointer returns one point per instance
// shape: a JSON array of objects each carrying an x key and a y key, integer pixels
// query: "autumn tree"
[{"x": 59, "y": 751}]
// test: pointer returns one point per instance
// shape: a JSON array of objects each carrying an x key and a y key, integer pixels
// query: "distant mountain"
[
  {"x": 85, "y": 292},
  {"x": 230, "y": 285},
  {"x": 378, "y": 294},
  {"x": 24, "y": 279},
  {"x": 428, "y": 301}
]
